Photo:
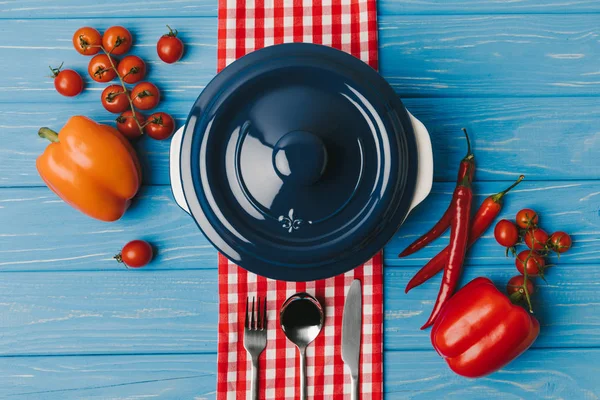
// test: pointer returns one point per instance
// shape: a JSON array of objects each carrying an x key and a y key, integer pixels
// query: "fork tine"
[
  {"x": 246, "y": 323},
  {"x": 258, "y": 320},
  {"x": 252, "y": 324},
  {"x": 264, "y": 319}
]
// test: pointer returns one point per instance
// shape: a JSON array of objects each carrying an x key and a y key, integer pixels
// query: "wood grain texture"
[
  {"x": 109, "y": 377},
  {"x": 145, "y": 311},
  {"x": 547, "y": 374},
  {"x": 421, "y": 56},
  {"x": 522, "y": 76},
  {"x": 202, "y": 8},
  {"x": 543, "y": 138},
  {"x": 486, "y": 56},
  {"x": 50, "y": 235}
]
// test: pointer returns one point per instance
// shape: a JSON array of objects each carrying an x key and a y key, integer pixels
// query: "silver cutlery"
[
  {"x": 301, "y": 320},
  {"x": 255, "y": 339},
  {"x": 351, "y": 331}
]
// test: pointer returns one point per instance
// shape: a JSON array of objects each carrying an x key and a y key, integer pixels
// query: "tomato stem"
[
  {"x": 56, "y": 71},
  {"x": 49, "y": 134},
  {"x": 140, "y": 127},
  {"x": 172, "y": 32},
  {"x": 525, "y": 277}
]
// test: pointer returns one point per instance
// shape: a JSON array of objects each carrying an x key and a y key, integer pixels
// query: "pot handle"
[
  {"x": 424, "y": 169},
  {"x": 425, "y": 162},
  {"x": 175, "y": 171}
]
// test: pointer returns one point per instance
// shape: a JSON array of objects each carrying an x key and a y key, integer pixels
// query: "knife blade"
[{"x": 351, "y": 332}]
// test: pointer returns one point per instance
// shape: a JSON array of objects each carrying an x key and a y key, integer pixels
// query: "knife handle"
[{"x": 354, "y": 390}]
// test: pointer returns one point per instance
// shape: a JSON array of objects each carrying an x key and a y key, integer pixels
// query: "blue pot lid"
[{"x": 298, "y": 162}]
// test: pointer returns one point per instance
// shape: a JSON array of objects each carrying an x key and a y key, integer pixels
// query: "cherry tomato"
[
  {"x": 117, "y": 40},
  {"x": 132, "y": 69},
  {"x": 527, "y": 218},
  {"x": 170, "y": 47},
  {"x": 160, "y": 126},
  {"x": 515, "y": 285},
  {"x": 87, "y": 41},
  {"x": 535, "y": 263},
  {"x": 135, "y": 254},
  {"x": 127, "y": 126},
  {"x": 536, "y": 239},
  {"x": 67, "y": 82},
  {"x": 114, "y": 99},
  {"x": 560, "y": 241},
  {"x": 506, "y": 233},
  {"x": 100, "y": 68},
  {"x": 145, "y": 96}
]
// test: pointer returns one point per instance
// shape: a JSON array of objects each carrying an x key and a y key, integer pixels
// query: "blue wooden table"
[{"x": 522, "y": 76}]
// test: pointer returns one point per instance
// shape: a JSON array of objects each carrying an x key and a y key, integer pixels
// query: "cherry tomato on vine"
[
  {"x": 145, "y": 96},
  {"x": 132, "y": 69},
  {"x": 117, "y": 40},
  {"x": 506, "y": 233},
  {"x": 135, "y": 254},
  {"x": 100, "y": 68},
  {"x": 67, "y": 82},
  {"x": 87, "y": 41},
  {"x": 169, "y": 47},
  {"x": 515, "y": 285},
  {"x": 160, "y": 126},
  {"x": 536, "y": 239},
  {"x": 527, "y": 218},
  {"x": 560, "y": 241},
  {"x": 127, "y": 126},
  {"x": 534, "y": 262},
  {"x": 114, "y": 99}
]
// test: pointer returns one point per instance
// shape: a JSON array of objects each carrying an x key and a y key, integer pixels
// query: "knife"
[{"x": 351, "y": 330}]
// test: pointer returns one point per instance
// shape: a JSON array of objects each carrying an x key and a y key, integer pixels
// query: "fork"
[{"x": 255, "y": 339}]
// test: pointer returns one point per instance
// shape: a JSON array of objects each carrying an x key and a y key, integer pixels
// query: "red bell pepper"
[{"x": 480, "y": 331}]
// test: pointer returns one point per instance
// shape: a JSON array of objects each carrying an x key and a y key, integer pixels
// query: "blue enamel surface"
[
  {"x": 520, "y": 75},
  {"x": 298, "y": 162}
]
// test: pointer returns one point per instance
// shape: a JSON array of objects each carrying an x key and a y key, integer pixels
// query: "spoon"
[{"x": 301, "y": 318}]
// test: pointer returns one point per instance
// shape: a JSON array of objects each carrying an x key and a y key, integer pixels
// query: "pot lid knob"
[{"x": 300, "y": 157}]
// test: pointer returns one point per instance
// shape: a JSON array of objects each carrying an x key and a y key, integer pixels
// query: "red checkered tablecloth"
[{"x": 349, "y": 25}]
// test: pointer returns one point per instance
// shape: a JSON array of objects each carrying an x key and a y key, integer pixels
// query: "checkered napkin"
[{"x": 244, "y": 26}]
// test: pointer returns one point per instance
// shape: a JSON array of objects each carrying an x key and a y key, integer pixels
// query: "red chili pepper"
[
  {"x": 487, "y": 213},
  {"x": 467, "y": 165},
  {"x": 459, "y": 237},
  {"x": 479, "y": 331}
]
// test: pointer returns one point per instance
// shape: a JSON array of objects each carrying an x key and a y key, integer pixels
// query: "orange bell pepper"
[{"x": 90, "y": 166}]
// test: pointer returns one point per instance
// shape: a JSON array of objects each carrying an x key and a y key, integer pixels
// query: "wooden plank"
[
  {"x": 130, "y": 312},
  {"x": 466, "y": 56},
  {"x": 107, "y": 8},
  {"x": 444, "y": 7},
  {"x": 111, "y": 377},
  {"x": 510, "y": 136},
  {"x": 26, "y": 59},
  {"x": 548, "y": 373},
  {"x": 23, "y": 9},
  {"x": 40, "y": 232},
  {"x": 422, "y": 56}
]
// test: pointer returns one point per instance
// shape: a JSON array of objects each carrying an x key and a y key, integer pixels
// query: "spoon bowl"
[{"x": 301, "y": 319}]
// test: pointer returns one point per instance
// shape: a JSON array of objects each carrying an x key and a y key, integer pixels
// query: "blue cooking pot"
[{"x": 299, "y": 162}]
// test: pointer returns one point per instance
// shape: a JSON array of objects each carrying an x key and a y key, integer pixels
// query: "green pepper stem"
[
  {"x": 49, "y": 134},
  {"x": 497, "y": 198}
]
